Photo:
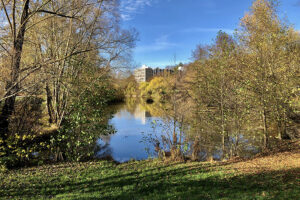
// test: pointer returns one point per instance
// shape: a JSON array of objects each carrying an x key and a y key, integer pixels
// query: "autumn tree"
[
  {"x": 95, "y": 39},
  {"x": 271, "y": 68},
  {"x": 17, "y": 19},
  {"x": 52, "y": 45}
]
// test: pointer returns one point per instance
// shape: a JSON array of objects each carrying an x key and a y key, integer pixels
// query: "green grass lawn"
[{"x": 150, "y": 180}]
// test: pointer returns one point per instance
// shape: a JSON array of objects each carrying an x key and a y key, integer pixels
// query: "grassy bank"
[{"x": 274, "y": 176}]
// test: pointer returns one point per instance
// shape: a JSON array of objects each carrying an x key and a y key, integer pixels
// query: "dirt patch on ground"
[{"x": 285, "y": 157}]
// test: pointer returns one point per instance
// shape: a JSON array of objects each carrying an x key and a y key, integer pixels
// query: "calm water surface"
[
  {"x": 135, "y": 122},
  {"x": 127, "y": 142}
]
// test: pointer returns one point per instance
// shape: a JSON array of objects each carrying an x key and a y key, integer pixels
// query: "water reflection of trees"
[
  {"x": 203, "y": 133},
  {"x": 210, "y": 140},
  {"x": 198, "y": 133},
  {"x": 155, "y": 109}
]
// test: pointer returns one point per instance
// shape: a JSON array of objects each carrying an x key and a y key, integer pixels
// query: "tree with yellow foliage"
[{"x": 270, "y": 64}]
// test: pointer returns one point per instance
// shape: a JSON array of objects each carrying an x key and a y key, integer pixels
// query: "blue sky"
[{"x": 173, "y": 28}]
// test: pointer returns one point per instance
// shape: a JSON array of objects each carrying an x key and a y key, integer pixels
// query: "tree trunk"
[
  {"x": 196, "y": 148},
  {"x": 49, "y": 105},
  {"x": 265, "y": 129},
  {"x": 7, "y": 111},
  {"x": 12, "y": 86}
]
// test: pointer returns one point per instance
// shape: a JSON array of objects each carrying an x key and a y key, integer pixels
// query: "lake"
[{"x": 139, "y": 125}]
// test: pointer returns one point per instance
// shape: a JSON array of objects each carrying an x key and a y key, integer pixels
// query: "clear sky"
[{"x": 174, "y": 27}]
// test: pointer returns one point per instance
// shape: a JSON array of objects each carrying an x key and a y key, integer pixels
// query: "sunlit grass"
[{"x": 157, "y": 180}]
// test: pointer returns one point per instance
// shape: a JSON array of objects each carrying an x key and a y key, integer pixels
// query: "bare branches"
[
  {"x": 7, "y": 17},
  {"x": 56, "y": 14},
  {"x": 38, "y": 66}
]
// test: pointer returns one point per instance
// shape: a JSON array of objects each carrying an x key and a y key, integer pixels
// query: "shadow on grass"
[{"x": 187, "y": 182}]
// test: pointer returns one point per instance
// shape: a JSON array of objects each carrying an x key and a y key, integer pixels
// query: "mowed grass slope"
[{"x": 270, "y": 177}]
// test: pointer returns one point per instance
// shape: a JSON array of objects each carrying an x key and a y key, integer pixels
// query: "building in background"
[{"x": 145, "y": 73}]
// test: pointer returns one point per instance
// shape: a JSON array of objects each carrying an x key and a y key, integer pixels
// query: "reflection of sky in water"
[
  {"x": 127, "y": 142},
  {"x": 131, "y": 128}
]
